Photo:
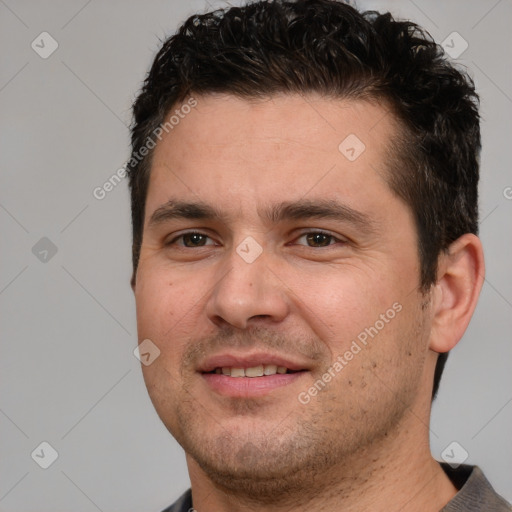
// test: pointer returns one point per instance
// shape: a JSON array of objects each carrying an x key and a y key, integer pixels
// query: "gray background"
[{"x": 68, "y": 329}]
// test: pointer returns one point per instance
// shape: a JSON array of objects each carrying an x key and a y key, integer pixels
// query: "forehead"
[
  {"x": 286, "y": 145},
  {"x": 312, "y": 121}
]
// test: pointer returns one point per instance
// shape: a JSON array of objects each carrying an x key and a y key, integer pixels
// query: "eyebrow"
[
  {"x": 174, "y": 209},
  {"x": 292, "y": 210},
  {"x": 319, "y": 209}
]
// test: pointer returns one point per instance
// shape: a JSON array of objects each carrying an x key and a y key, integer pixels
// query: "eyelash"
[{"x": 312, "y": 232}]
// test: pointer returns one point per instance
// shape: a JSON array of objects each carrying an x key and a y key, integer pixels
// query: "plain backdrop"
[{"x": 68, "y": 374}]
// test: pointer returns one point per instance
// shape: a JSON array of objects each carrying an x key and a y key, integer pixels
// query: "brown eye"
[
  {"x": 194, "y": 239},
  {"x": 319, "y": 239},
  {"x": 191, "y": 240}
]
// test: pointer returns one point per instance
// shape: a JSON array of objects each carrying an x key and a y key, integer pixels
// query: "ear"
[{"x": 460, "y": 277}]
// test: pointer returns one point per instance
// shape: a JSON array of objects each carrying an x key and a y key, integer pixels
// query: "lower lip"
[{"x": 246, "y": 387}]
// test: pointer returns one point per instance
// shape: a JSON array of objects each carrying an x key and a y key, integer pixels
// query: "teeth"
[
  {"x": 270, "y": 369},
  {"x": 237, "y": 372},
  {"x": 255, "y": 371}
]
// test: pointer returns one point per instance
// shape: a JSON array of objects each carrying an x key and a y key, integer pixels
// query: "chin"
[{"x": 254, "y": 477}]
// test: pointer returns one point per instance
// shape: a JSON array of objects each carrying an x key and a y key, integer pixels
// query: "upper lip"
[{"x": 248, "y": 361}]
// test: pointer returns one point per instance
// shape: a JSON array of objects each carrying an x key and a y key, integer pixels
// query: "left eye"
[{"x": 319, "y": 239}]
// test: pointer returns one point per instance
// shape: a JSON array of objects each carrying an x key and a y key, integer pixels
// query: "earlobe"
[{"x": 460, "y": 277}]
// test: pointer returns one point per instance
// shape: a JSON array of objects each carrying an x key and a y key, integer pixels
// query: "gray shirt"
[{"x": 475, "y": 493}]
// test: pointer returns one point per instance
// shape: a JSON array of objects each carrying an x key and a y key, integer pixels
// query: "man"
[{"x": 304, "y": 201}]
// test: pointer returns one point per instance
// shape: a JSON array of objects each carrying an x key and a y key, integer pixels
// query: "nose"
[{"x": 247, "y": 292}]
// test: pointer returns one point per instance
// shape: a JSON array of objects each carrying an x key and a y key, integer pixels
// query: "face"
[{"x": 279, "y": 278}]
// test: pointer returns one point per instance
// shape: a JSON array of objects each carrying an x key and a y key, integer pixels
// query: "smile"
[{"x": 255, "y": 371}]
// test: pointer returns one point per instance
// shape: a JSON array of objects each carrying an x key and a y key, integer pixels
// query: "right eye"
[{"x": 190, "y": 240}]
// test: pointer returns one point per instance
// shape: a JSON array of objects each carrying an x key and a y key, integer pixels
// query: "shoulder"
[
  {"x": 475, "y": 492},
  {"x": 182, "y": 504}
]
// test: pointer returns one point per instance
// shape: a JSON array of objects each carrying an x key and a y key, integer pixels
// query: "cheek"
[
  {"x": 397, "y": 344},
  {"x": 161, "y": 315},
  {"x": 168, "y": 310},
  {"x": 374, "y": 325},
  {"x": 343, "y": 302},
  {"x": 158, "y": 312},
  {"x": 153, "y": 297}
]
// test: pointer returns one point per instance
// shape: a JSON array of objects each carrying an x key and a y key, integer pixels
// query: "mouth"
[
  {"x": 262, "y": 370},
  {"x": 250, "y": 376}
]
